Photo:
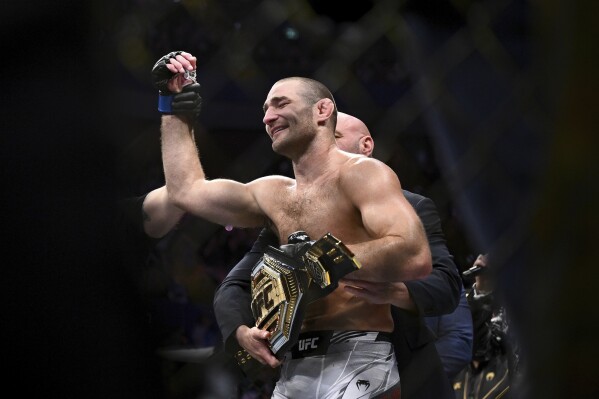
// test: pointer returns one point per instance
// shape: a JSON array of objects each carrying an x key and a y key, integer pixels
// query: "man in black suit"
[{"x": 420, "y": 368}]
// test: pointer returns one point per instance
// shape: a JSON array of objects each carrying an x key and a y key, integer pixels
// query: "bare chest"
[{"x": 317, "y": 209}]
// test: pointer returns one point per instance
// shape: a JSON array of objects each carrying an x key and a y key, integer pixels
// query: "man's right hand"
[{"x": 255, "y": 342}]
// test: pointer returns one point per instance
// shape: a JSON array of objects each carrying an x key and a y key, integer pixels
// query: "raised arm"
[
  {"x": 399, "y": 250},
  {"x": 221, "y": 201}
]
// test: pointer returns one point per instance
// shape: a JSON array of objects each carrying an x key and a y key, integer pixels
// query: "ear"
[
  {"x": 324, "y": 110},
  {"x": 366, "y": 145}
]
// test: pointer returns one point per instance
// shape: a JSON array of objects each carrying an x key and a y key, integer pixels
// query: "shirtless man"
[{"x": 357, "y": 199}]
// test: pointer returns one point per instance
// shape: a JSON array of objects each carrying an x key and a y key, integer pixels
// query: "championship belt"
[{"x": 284, "y": 283}]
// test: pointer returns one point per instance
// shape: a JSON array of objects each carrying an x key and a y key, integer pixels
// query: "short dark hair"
[{"x": 314, "y": 91}]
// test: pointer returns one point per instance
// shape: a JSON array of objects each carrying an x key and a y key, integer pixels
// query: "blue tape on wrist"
[{"x": 165, "y": 103}]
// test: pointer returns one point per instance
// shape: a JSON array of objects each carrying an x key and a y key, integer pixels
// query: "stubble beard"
[{"x": 296, "y": 138}]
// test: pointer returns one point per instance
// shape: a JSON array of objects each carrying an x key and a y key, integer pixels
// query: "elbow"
[
  {"x": 424, "y": 271},
  {"x": 423, "y": 263},
  {"x": 416, "y": 264},
  {"x": 417, "y": 267},
  {"x": 427, "y": 262},
  {"x": 156, "y": 232},
  {"x": 177, "y": 197},
  {"x": 184, "y": 193},
  {"x": 159, "y": 227},
  {"x": 179, "y": 201}
]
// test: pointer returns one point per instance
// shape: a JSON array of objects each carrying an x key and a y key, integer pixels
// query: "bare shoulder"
[
  {"x": 273, "y": 181},
  {"x": 362, "y": 169},
  {"x": 271, "y": 185},
  {"x": 368, "y": 181}
]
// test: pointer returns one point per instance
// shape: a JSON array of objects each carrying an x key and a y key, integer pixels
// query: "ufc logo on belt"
[
  {"x": 307, "y": 343},
  {"x": 263, "y": 303}
]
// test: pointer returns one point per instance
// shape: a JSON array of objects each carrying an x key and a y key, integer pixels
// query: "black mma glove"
[
  {"x": 325, "y": 261},
  {"x": 188, "y": 102},
  {"x": 160, "y": 73},
  {"x": 297, "y": 244},
  {"x": 265, "y": 238}
]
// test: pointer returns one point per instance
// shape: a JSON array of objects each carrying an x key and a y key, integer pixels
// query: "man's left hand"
[
  {"x": 168, "y": 66},
  {"x": 255, "y": 342},
  {"x": 396, "y": 294},
  {"x": 179, "y": 94}
]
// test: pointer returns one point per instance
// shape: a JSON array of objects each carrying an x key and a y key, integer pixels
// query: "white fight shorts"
[{"x": 339, "y": 364}]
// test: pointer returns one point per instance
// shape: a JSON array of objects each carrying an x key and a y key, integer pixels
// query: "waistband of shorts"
[{"x": 314, "y": 343}]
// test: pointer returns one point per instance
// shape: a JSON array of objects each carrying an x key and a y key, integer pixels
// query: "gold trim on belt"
[{"x": 282, "y": 286}]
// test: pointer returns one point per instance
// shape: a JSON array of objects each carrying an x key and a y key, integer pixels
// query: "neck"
[{"x": 315, "y": 162}]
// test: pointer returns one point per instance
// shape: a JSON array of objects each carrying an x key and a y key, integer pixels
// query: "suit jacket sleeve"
[
  {"x": 232, "y": 297},
  {"x": 439, "y": 292}
]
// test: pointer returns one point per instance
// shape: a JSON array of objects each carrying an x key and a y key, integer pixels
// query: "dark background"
[{"x": 487, "y": 107}]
